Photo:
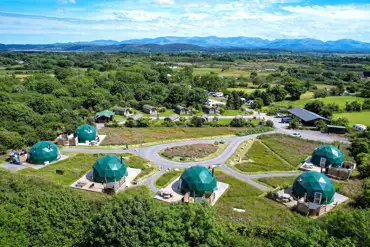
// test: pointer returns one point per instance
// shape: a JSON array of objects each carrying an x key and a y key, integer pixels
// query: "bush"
[
  {"x": 320, "y": 125},
  {"x": 363, "y": 166},
  {"x": 294, "y": 124},
  {"x": 270, "y": 123},
  {"x": 321, "y": 93},
  {"x": 238, "y": 122}
]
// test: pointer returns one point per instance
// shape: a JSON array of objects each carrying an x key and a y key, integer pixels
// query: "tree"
[
  {"x": 321, "y": 93},
  {"x": 320, "y": 125},
  {"x": 295, "y": 90},
  {"x": 278, "y": 92},
  {"x": 363, "y": 165},
  {"x": 315, "y": 106},
  {"x": 270, "y": 123},
  {"x": 353, "y": 106},
  {"x": 294, "y": 123},
  {"x": 258, "y": 81},
  {"x": 178, "y": 95},
  {"x": 238, "y": 122},
  {"x": 197, "y": 121},
  {"x": 257, "y": 104},
  {"x": 11, "y": 140},
  {"x": 340, "y": 121},
  {"x": 197, "y": 96}
]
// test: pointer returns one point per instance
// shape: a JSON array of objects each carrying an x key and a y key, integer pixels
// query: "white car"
[
  {"x": 279, "y": 115},
  {"x": 359, "y": 127},
  {"x": 296, "y": 134}
]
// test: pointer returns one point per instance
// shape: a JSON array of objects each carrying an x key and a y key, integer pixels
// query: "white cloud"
[
  {"x": 167, "y": 2},
  {"x": 195, "y": 16},
  {"x": 67, "y": 1}
]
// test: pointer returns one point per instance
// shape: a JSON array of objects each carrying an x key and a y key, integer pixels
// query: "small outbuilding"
[
  {"x": 307, "y": 117},
  {"x": 182, "y": 110},
  {"x": 42, "y": 153},
  {"x": 86, "y": 133},
  {"x": 104, "y": 116},
  {"x": 123, "y": 111},
  {"x": 315, "y": 187},
  {"x": 210, "y": 109},
  {"x": 150, "y": 109},
  {"x": 336, "y": 129},
  {"x": 327, "y": 156},
  {"x": 109, "y": 169},
  {"x": 197, "y": 181}
]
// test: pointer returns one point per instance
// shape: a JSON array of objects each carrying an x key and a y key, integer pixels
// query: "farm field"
[
  {"x": 260, "y": 158},
  {"x": 79, "y": 164},
  {"x": 246, "y": 89},
  {"x": 168, "y": 177},
  {"x": 119, "y": 136},
  {"x": 339, "y": 100},
  {"x": 355, "y": 117},
  {"x": 281, "y": 182}
]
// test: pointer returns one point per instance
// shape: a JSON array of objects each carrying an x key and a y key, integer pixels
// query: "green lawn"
[
  {"x": 292, "y": 149},
  {"x": 79, "y": 164},
  {"x": 259, "y": 158},
  {"x": 282, "y": 182},
  {"x": 355, "y": 117},
  {"x": 167, "y": 113},
  {"x": 339, "y": 100},
  {"x": 232, "y": 112},
  {"x": 246, "y": 90},
  {"x": 259, "y": 209},
  {"x": 119, "y": 118},
  {"x": 224, "y": 121},
  {"x": 167, "y": 178}
]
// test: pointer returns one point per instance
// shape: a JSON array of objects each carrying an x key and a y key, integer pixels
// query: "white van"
[{"x": 359, "y": 127}]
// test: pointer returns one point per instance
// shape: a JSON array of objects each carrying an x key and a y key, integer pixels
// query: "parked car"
[
  {"x": 296, "y": 134},
  {"x": 359, "y": 127},
  {"x": 279, "y": 115},
  {"x": 285, "y": 120}
]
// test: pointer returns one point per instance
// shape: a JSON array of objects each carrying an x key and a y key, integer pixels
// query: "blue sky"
[{"x": 51, "y": 21}]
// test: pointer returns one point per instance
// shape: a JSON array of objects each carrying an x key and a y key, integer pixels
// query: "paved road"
[{"x": 151, "y": 153}]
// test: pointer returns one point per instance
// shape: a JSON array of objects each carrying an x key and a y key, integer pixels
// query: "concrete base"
[
  {"x": 173, "y": 189},
  {"x": 101, "y": 138},
  {"x": 37, "y": 167},
  {"x": 12, "y": 167},
  {"x": 309, "y": 166},
  {"x": 90, "y": 185}
]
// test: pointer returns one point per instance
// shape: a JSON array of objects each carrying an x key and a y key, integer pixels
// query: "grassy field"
[
  {"x": 119, "y": 136},
  {"x": 355, "y": 117},
  {"x": 339, "y": 100},
  {"x": 281, "y": 182},
  {"x": 167, "y": 113},
  {"x": 79, "y": 164},
  {"x": 261, "y": 158},
  {"x": 224, "y": 121},
  {"x": 283, "y": 145},
  {"x": 119, "y": 118},
  {"x": 167, "y": 178},
  {"x": 232, "y": 112},
  {"x": 246, "y": 90},
  {"x": 259, "y": 209}
]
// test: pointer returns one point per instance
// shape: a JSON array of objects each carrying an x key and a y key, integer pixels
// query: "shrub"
[{"x": 270, "y": 123}]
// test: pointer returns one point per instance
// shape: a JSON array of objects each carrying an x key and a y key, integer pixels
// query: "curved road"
[{"x": 151, "y": 153}]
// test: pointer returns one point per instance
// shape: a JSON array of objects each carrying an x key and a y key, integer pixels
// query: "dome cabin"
[
  {"x": 110, "y": 169},
  {"x": 328, "y": 153},
  {"x": 85, "y": 133},
  {"x": 315, "y": 187},
  {"x": 43, "y": 152},
  {"x": 197, "y": 181}
]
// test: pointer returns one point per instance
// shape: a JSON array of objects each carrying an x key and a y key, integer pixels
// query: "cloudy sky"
[{"x": 51, "y": 21}]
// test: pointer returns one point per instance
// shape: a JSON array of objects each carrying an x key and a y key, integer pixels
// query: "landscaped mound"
[{"x": 190, "y": 151}]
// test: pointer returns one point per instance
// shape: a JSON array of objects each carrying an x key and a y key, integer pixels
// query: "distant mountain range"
[{"x": 211, "y": 44}]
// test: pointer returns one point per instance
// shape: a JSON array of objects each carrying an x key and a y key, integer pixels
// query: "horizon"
[
  {"x": 231, "y": 37},
  {"x": 68, "y": 21}
]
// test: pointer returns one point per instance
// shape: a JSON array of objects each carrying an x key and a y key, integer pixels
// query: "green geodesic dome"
[
  {"x": 198, "y": 180},
  {"x": 86, "y": 133},
  {"x": 333, "y": 156},
  {"x": 109, "y": 169},
  {"x": 312, "y": 182},
  {"x": 43, "y": 151}
]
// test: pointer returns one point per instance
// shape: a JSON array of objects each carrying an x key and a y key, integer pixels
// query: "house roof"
[
  {"x": 148, "y": 107},
  {"x": 119, "y": 108},
  {"x": 306, "y": 115},
  {"x": 105, "y": 113}
]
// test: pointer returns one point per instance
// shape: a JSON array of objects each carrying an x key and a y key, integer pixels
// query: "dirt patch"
[{"x": 195, "y": 151}]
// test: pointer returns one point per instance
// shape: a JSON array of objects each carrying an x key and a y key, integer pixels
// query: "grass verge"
[{"x": 168, "y": 177}]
